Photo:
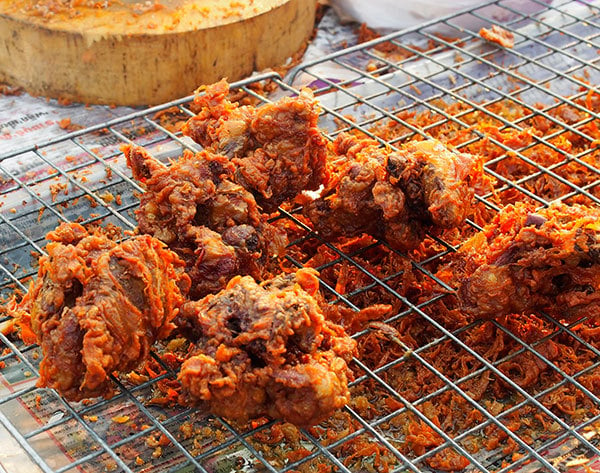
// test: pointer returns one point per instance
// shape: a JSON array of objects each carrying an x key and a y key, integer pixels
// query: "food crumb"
[
  {"x": 120, "y": 419},
  {"x": 152, "y": 441},
  {"x": 107, "y": 197},
  {"x": 6, "y": 89},
  {"x": 157, "y": 452},
  {"x": 498, "y": 35},
  {"x": 187, "y": 430},
  {"x": 64, "y": 123},
  {"x": 371, "y": 67},
  {"x": 55, "y": 189}
]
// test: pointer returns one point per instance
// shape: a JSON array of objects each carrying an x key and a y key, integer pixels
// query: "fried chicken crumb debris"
[
  {"x": 381, "y": 344},
  {"x": 120, "y": 419},
  {"x": 498, "y": 35}
]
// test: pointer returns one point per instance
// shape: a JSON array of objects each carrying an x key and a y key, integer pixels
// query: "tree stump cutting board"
[{"x": 145, "y": 52}]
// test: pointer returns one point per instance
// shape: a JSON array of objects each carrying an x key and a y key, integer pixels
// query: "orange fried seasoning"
[
  {"x": 513, "y": 153},
  {"x": 172, "y": 119},
  {"x": 120, "y": 419},
  {"x": 448, "y": 410},
  {"x": 72, "y": 8},
  {"x": 64, "y": 123},
  {"x": 498, "y": 35},
  {"x": 388, "y": 334},
  {"x": 517, "y": 153},
  {"x": 367, "y": 34},
  {"x": 7, "y": 90}
]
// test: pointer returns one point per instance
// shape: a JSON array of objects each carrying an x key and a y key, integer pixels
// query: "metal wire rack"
[{"x": 391, "y": 89}]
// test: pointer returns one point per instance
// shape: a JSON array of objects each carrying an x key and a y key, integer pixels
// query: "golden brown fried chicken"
[
  {"x": 527, "y": 260},
  {"x": 97, "y": 307},
  {"x": 395, "y": 195},
  {"x": 277, "y": 149},
  {"x": 267, "y": 349},
  {"x": 211, "y": 222}
]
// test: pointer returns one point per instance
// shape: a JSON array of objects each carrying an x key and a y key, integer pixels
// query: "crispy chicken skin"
[
  {"x": 277, "y": 149},
  {"x": 267, "y": 349},
  {"x": 527, "y": 260},
  {"x": 395, "y": 195},
  {"x": 98, "y": 306},
  {"x": 211, "y": 222}
]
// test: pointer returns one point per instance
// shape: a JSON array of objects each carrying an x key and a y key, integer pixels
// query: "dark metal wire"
[{"x": 532, "y": 48}]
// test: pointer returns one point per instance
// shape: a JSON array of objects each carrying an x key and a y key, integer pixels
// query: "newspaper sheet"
[{"x": 26, "y": 121}]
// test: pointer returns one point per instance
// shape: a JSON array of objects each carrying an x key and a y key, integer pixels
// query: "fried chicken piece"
[
  {"x": 498, "y": 35},
  {"x": 267, "y": 349},
  {"x": 395, "y": 195},
  {"x": 213, "y": 223},
  {"x": 527, "y": 260},
  {"x": 277, "y": 149},
  {"x": 98, "y": 306}
]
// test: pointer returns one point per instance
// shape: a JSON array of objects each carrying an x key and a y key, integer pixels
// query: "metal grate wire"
[{"x": 554, "y": 63}]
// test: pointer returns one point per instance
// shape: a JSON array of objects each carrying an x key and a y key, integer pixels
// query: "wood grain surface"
[{"x": 129, "y": 55}]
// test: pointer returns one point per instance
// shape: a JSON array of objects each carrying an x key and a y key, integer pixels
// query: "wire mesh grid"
[{"x": 532, "y": 110}]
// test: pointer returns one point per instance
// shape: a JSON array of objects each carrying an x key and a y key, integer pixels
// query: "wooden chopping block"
[{"x": 143, "y": 53}]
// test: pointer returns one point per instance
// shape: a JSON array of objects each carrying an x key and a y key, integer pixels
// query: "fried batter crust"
[
  {"x": 498, "y": 35},
  {"x": 395, "y": 195},
  {"x": 210, "y": 221},
  {"x": 97, "y": 307},
  {"x": 267, "y": 349},
  {"x": 277, "y": 148},
  {"x": 527, "y": 260}
]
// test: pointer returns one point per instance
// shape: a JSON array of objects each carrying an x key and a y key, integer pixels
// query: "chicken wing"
[
  {"x": 267, "y": 349},
  {"x": 395, "y": 195},
  {"x": 213, "y": 223},
  {"x": 98, "y": 306},
  {"x": 527, "y": 260},
  {"x": 277, "y": 149}
]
